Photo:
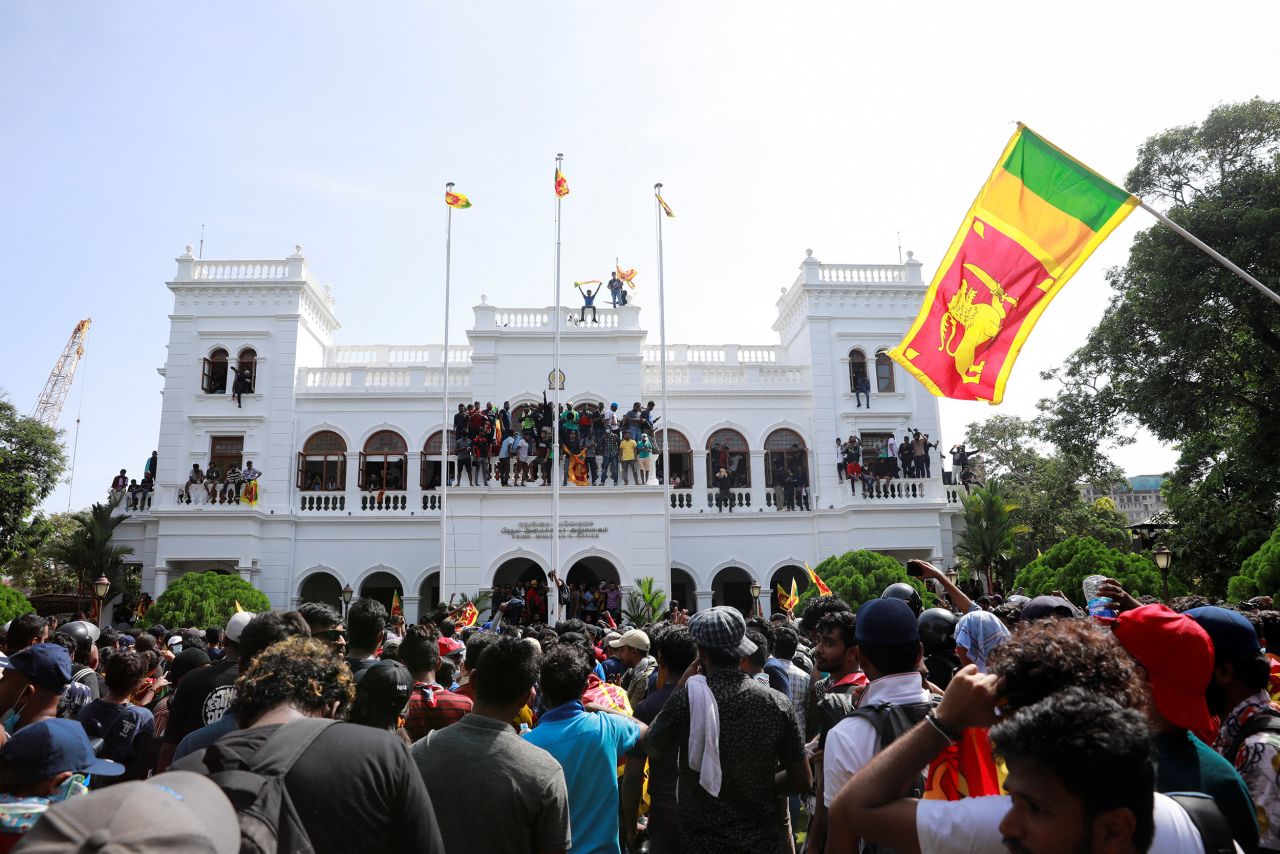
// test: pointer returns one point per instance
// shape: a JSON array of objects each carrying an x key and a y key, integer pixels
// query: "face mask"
[{"x": 10, "y": 720}]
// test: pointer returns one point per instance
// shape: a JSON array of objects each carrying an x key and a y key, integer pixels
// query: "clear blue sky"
[{"x": 775, "y": 127}]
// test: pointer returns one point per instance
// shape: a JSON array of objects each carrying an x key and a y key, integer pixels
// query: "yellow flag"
[
  {"x": 666, "y": 208},
  {"x": 239, "y": 610}
]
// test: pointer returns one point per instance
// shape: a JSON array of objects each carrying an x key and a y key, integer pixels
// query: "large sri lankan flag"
[{"x": 1039, "y": 216}]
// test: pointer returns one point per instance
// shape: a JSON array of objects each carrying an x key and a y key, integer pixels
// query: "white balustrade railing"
[
  {"x": 459, "y": 377},
  {"x": 386, "y": 355},
  {"x": 712, "y": 354},
  {"x": 239, "y": 271},
  {"x": 709, "y": 377},
  {"x": 325, "y": 378},
  {"x": 854, "y": 273},
  {"x": 381, "y": 379}
]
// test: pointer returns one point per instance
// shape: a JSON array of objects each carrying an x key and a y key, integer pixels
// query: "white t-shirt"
[
  {"x": 853, "y": 742},
  {"x": 972, "y": 826}
]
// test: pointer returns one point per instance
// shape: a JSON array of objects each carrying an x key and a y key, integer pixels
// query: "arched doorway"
[
  {"x": 683, "y": 590},
  {"x": 728, "y": 449},
  {"x": 783, "y": 576},
  {"x": 429, "y": 476},
  {"x": 592, "y": 570},
  {"x": 732, "y": 587},
  {"x": 514, "y": 572},
  {"x": 786, "y": 462},
  {"x": 383, "y": 462},
  {"x": 381, "y": 586},
  {"x": 322, "y": 587},
  {"x": 429, "y": 593},
  {"x": 681, "y": 454}
]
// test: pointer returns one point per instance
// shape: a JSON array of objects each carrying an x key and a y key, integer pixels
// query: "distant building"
[{"x": 1138, "y": 498}]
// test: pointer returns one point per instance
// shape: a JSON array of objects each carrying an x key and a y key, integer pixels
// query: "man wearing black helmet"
[
  {"x": 904, "y": 591},
  {"x": 938, "y": 637}
]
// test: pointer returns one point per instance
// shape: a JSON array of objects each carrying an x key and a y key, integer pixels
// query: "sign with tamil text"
[{"x": 570, "y": 529}]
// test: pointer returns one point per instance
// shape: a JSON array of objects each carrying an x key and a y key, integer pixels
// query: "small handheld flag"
[
  {"x": 628, "y": 276},
  {"x": 456, "y": 200},
  {"x": 823, "y": 589},
  {"x": 239, "y": 610},
  {"x": 1035, "y": 221},
  {"x": 562, "y": 186},
  {"x": 587, "y": 282},
  {"x": 666, "y": 208},
  {"x": 397, "y": 608},
  {"x": 468, "y": 616}
]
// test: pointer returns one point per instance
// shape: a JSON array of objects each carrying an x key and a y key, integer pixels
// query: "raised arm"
[{"x": 962, "y": 602}]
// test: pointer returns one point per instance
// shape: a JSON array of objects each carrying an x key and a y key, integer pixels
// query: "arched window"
[
  {"x": 785, "y": 458},
  {"x": 247, "y": 362},
  {"x": 681, "y": 454},
  {"x": 857, "y": 369},
  {"x": 429, "y": 474},
  {"x": 322, "y": 465},
  {"x": 383, "y": 461},
  {"x": 213, "y": 379},
  {"x": 522, "y": 411},
  {"x": 884, "y": 372},
  {"x": 729, "y": 450}
]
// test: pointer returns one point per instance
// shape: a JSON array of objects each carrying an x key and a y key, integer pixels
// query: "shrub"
[
  {"x": 13, "y": 604},
  {"x": 1259, "y": 574},
  {"x": 202, "y": 599},
  {"x": 1065, "y": 566},
  {"x": 861, "y": 575}
]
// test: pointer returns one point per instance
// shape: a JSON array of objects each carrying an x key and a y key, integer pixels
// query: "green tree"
[
  {"x": 38, "y": 571},
  {"x": 88, "y": 552},
  {"x": 645, "y": 602},
  {"x": 1187, "y": 350},
  {"x": 990, "y": 531},
  {"x": 13, "y": 604},
  {"x": 203, "y": 599},
  {"x": 861, "y": 575},
  {"x": 1260, "y": 574},
  {"x": 1065, "y": 567},
  {"x": 1043, "y": 483},
  {"x": 31, "y": 461}
]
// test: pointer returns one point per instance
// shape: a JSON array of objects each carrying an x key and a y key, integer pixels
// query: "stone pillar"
[
  {"x": 161, "y": 582},
  {"x": 353, "y": 480},
  {"x": 413, "y": 482},
  {"x": 245, "y": 571},
  {"x": 410, "y": 604},
  {"x": 701, "y": 482},
  {"x": 757, "y": 478},
  {"x": 703, "y": 598}
]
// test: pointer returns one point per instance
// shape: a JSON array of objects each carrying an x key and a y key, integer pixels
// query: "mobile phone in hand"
[{"x": 915, "y": 568}]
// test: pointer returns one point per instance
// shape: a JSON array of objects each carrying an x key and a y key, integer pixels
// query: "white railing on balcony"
[
  {"x": 712, "y": 354},
  {"x": 755, "y": 376},
  {"x": 386, "y": 355},
  {"x": 853, "y": 273},
  {"x": 368, "y": 379},
  {"x": 239, "y": 271}
]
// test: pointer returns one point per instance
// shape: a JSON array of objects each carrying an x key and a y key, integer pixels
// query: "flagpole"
[
  {"x": 444, "y": 427},
  {"x": 556, "y": 462},
  {"x": 666, "y": 430},
  {"x": 1211, "y": 252}
]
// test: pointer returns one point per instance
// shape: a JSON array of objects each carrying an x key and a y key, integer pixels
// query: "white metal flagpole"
[
  {"x": 556, "y": 462},
  {"x": 666, "y": 417},
  {"x": 444, "y": 427}
]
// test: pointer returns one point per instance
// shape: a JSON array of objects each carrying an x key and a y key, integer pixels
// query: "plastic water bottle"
[
  {"x": 524, "y": 729},
  {"x": 1100, "y": 607}
]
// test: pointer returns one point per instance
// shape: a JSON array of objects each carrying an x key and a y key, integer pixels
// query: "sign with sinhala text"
[{"x": 569, "y": 529}]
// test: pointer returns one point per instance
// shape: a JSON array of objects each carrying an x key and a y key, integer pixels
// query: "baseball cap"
[
  {"x": 387, "y": 682},
  {"x": 1233, "y": 635},
  {"x": 236, "y": 625},
  {"x": 47, "y": 748},
  {"x": 633, "y": 638},
  {"x": 174, "y": 811},
  {"x": 449, "y": 646},
  {"x": 886, "y": 622},
  {"x": 1177, "y": 654},
  {"x": 176, "y": 640},
  {"x": 127, "y": 640},
  {"x": 186, "y": 661},
  {"x": 721, "y": 628},
  {"x": 47, "y": 665},
  {"x": 1047, "y": 606}
]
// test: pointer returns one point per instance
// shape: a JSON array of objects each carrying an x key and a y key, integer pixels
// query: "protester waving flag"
[
  {"x": 1035, "y": 221},
  {"x": 468, "y": 616},
  {"x": 397, "y": 608}
]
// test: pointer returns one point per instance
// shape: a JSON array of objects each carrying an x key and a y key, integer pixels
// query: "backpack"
[
  {"x": 1210, "y": 823},
  {"x": 269, "y": 822},
  {"x": 1266, "y": 720},
  {"x": 890, "y": 721}
]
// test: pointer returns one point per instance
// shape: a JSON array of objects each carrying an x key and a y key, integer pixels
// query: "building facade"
[
  {"x": 348, "y": 439},
  {"x": 1138, "y": 497}
]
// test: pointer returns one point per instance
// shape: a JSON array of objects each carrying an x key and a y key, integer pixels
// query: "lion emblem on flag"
[{"x": 982, "y": 321}]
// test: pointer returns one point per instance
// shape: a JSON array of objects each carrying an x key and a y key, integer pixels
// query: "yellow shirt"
[{"x": 628, "y": 449}]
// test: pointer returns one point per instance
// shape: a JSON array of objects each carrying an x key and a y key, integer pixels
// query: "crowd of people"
[
  {"x": 1025, "y": 723},
  {"x": 871, "y": 469},
  {"x": 598, "y": 444}
]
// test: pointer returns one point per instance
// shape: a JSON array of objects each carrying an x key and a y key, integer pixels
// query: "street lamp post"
[
  {"x": 101, "y": 585},
  {"x": 346, "y": 599},
  {"x": 1163, "y": 558},
  {"x": 755, "y": 598}
]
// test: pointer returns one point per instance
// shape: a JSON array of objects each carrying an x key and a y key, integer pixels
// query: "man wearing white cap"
[
  {"x": 633, "y": 650},
  {"x": 205, "y": 695}
]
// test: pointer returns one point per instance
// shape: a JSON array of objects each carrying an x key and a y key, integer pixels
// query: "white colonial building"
[{"x": 348, "y": 438}]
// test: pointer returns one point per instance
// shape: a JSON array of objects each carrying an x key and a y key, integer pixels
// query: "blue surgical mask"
[{"x": 10, "y": 720}]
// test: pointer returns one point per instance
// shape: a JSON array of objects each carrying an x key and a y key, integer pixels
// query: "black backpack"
[
  {"x": 268, "y": 820},
  {"x": 1264, "y": 720},
  {"x": 1212, "y": 826}
]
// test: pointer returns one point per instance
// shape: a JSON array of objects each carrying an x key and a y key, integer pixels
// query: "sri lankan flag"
[
  {"x": 666, "y": 208},
  {"x": 468, "y": 616},
  {"x": 1035, "y": 221},
  {"x": 456, "y": 200},
  {"x": 397, "y": 608},
  {"x": 823, "y": 589},
  {"x": 562, "y": 186},
  {"x": 788, "y": 601}
]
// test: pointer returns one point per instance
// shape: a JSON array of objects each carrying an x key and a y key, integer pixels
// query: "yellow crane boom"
[{"x": 58, "y": 386}]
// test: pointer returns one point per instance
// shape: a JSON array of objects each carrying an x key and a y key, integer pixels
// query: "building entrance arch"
[
  {"x": 591, "y": 570},
  {"x": 382, "y": 586},
  {"x": 429, "y": 593},
  {"x": 683, "y": 590},
  {"x": 732, "y": 587},
  {"x": 322, "y": 587},
  {"x": 518, "y": 570},
  {"x": 783, "y": 576}
]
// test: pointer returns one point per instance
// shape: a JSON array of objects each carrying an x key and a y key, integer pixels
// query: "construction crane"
[{"x": 58, "y": 386}]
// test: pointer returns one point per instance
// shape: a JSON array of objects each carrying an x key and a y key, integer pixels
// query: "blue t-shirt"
[
  {"x": 127, "y": 732},
  {"x": 588, "y": 746}
]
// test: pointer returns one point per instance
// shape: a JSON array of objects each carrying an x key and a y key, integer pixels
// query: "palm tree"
[
  {"x": 987, "y": 543},
  {"x": 644, "y": 602},
  {"x": 88, "y": 551}
]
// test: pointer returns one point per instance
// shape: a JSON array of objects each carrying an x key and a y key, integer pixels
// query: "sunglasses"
[{"x": 333, "y": 634}]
